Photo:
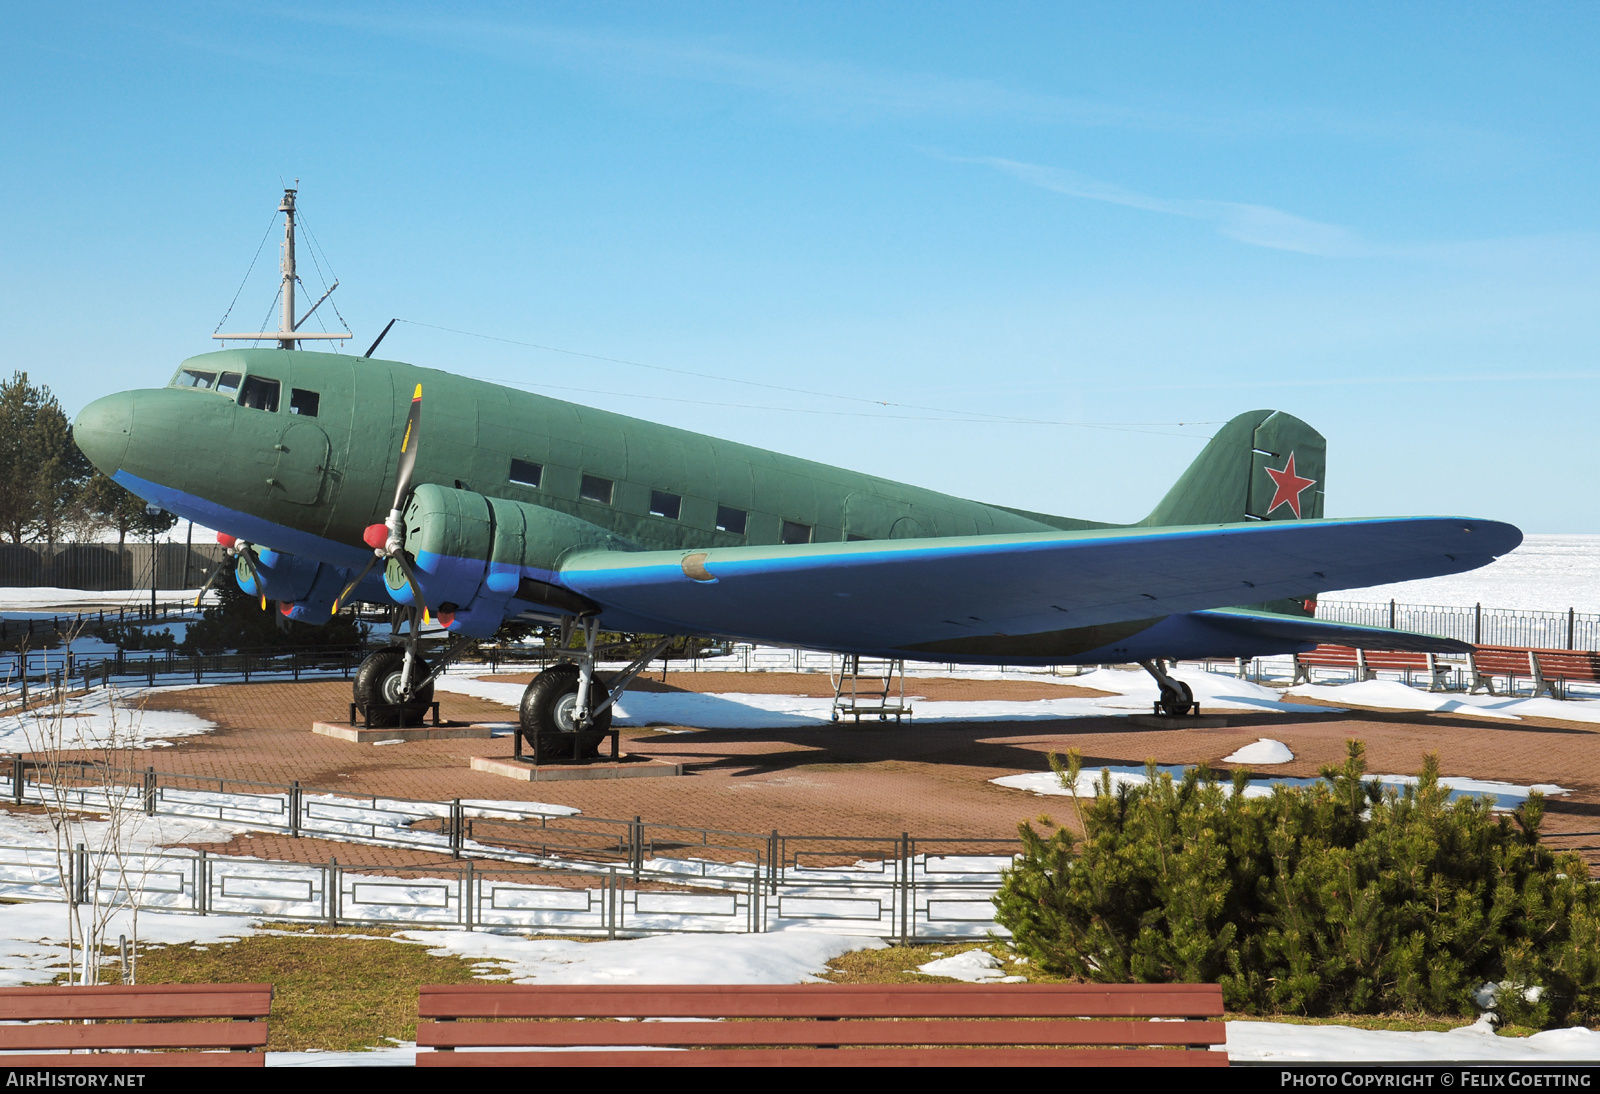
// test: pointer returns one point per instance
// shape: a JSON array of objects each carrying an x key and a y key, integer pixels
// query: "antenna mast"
[
  {"x": 286, "y": 325},
  {"x": 288, "y": 334}
]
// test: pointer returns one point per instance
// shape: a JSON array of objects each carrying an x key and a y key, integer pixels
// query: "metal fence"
[
  {"x": 1568, "y": 630},
  {"x": 508, "y": 867},
  {"x": 919, "y": 898}
]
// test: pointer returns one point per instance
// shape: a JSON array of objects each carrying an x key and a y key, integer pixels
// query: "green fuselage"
[{"x": 273, "y": 464}]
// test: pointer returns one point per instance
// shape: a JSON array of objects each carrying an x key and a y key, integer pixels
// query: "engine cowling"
[
  {"x": 305, "y": 589},
  {"x": 474, "y": 555}
]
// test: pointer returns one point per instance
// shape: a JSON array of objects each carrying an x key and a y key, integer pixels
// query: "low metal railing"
[
  {"x": 574, "y": 874},
  {"x": 913, "y": 898}
]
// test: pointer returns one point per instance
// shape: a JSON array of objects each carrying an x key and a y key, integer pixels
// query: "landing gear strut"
[
  {"x": 1176, "y": 699},
  {"x": 567, "y": 708}
]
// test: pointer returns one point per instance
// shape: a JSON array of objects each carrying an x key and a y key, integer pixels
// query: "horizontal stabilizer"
[
  {"x": 894, "y": 594},
  {"x": 1294, "y": 628}
]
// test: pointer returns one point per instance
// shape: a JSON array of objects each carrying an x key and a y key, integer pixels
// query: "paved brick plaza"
[{"x": 879, "y": 779}]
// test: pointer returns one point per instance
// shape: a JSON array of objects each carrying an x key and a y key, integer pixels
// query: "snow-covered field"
[
  {"x": 96, "y": 718},
  {"x": 1545, "y": 574}
]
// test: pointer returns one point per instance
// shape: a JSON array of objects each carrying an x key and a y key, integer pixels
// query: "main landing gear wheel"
[
  {"x": 1176, "y": 700},
  {"x": 377, "y": 689},
  {"x": 548, "y": 707}
]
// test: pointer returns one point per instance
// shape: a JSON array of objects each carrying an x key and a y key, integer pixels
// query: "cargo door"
[{"x": 302, "y": 464}]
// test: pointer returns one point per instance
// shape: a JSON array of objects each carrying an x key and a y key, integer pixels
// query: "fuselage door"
[{"x": 301, "y": 465}]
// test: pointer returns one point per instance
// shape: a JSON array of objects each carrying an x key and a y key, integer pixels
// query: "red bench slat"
[
  {"x": 142, "y": 1035},
  {"x": 844, "y": 1057},
  {"x": 135, "y": 1061},
  {"x": 136, "y": 1001},
  {"x": 812, "y": 1032},
  {"x": 826, "y": 1001}
]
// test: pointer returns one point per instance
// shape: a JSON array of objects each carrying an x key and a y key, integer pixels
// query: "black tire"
[
  {"x": 377, "y": 684},
  {"x": 547, "y": 709},
  {"x": 1177, "y": 701}
]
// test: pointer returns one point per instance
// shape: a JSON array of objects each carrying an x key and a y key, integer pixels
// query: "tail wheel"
[
  {"x": 548, "y": 709},
  {"x": 1177, "y": 700},
  {"x": 377, "y": 689}
]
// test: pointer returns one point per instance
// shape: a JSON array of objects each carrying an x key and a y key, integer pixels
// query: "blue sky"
[{"x": 1001, "y": 219}]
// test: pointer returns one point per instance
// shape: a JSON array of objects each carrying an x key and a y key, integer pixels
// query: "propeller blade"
[
  {"x": 210, "y": 581},
  {"x": 408, "y": 449},
  {"x": 350, "y": 588},
  {"x": 411, "y": 578},
  {"x": 255, "y": 575}
]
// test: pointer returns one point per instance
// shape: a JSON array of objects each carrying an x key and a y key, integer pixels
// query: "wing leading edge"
[{"x": 882, "y": 595}]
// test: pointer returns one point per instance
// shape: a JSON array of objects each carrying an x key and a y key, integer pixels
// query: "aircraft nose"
[{"x": 102, "y": 430}]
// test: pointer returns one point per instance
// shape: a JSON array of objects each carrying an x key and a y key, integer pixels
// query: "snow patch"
[
  {"x": 89, "y": 721},
  {"x": 778, "y": 957},
  {"x": 1264, "y": 751},
  {"x": 1131, "y": 692},
  {"x": 1393, "y": 695},
  {"x": 974, "y": 967},
  {"x": 1273, "y": 1042},
  {"x": 1506, "y": 795}
]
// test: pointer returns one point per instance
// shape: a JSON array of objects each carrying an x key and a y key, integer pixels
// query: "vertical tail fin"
[{"x": 1262, "y": 465}]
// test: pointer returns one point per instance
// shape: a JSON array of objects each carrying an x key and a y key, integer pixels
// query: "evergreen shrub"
[{"x": 1338, "y": 898}]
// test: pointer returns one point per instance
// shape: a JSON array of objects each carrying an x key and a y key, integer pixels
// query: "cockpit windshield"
[{"x": 193, "y": 377}]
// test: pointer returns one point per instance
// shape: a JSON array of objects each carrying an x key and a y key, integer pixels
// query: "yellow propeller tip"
[{"x": 417, "y": 394}]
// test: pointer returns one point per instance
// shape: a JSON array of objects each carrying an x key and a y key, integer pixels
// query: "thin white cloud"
[
  {"x": 837, "y": 88},
  {"x": 1257, "y": 225}
]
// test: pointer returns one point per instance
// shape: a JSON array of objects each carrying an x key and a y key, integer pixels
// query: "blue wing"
[{"x": 942, "y": 595}]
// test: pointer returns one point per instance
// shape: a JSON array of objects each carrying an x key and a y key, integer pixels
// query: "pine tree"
[{"x": 1341, "y": 897}]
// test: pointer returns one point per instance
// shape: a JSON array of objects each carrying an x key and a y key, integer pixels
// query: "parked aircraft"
[{"x": 494, "y": 504}]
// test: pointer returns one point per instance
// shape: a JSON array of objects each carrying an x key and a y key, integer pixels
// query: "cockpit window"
[
  {"x": 259, "y": 394},
  {"x": 228, "y": 383},
  {"x": 303, "y": 402},
  {"x": 193, "y": 377}
]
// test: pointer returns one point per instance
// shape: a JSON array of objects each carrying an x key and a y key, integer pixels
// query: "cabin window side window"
[
  {"x": 663, "y": 504},
  {"x": 259, "y": 394},
  {"x": 795, "y": 532},
  {"x": 228, "y": 383},
  {"x": 303, "y": 402},
  {"x": 730, "y": 519},
  {"x": 595, "y": 488},
  {"x": 524, "y": 473}
]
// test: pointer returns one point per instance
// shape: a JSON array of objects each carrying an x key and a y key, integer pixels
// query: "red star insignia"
[{"x": 1289, "y": 487}]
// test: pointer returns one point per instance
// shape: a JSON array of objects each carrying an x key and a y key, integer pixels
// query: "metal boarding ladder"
[{"x": 878, "y": 689}]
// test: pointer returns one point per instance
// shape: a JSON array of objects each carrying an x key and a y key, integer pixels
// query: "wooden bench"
[
  {"x": 821, "y": 1025},
  {"x": 1367, "y": 663},
  {"x": 104, "y": 1024},
  {"x": 1550, "y": 670}
]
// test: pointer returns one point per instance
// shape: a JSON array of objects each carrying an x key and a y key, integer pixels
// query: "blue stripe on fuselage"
[
  {"x": 249, "y": 528},
  {"x": 263, "y": 532}
]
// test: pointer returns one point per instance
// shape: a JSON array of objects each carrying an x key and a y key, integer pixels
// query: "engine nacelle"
[
  {"x": 284, "y": 577},
  {"x": 304, "y": 588},
  {"x": 474, "y": 555}
]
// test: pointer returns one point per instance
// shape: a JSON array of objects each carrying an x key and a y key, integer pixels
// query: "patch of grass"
[{"x": 330, "y": 992}]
